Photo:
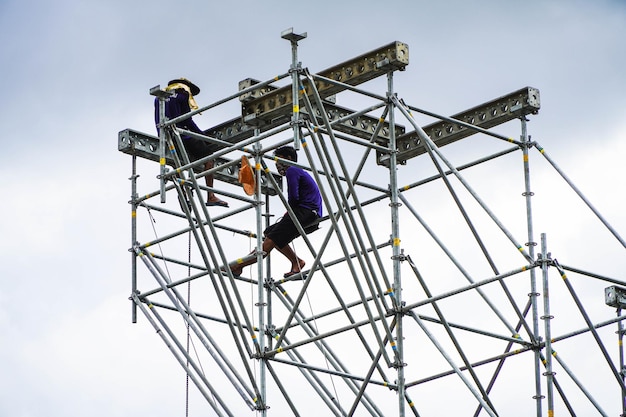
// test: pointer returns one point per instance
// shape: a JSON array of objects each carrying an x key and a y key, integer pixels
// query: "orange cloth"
[{"x": 246, "y": 176}]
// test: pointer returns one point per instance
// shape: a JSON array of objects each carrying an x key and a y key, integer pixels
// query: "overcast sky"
[{"x": 75, "y": 73}]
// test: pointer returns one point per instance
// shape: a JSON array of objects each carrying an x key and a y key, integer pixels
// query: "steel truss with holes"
[{"x": 392, "y": 315}]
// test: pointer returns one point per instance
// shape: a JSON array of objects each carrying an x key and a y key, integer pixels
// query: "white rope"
[{"x": 332, "y": 381}]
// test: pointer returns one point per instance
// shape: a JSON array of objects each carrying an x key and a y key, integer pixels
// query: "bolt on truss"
[{"x": 417, "y": 298}]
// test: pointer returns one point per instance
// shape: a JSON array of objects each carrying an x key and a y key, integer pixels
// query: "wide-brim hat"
[
  {"x": 195, "y": 90},
  {"x": 246, "y": 176}
]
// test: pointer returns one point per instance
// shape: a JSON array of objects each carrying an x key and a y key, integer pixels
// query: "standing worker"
[
  {"x": 304, "y": 198},
  {"x": 182, "y": 102}
]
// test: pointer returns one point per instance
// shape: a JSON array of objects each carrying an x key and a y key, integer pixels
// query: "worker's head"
[
  {"x": 285, "y": 152},
  {"x": 193, "y": 89}
]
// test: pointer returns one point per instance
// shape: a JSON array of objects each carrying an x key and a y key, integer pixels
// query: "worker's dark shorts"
[
  {"x": 197, "y": 148},
  {"x": 284, "y": 231}
]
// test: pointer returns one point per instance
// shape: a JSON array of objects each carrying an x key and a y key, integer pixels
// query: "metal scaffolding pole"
[
  {"x": 350, "y": 222},
  {"x": 397, "y": 254},
  {"x": 261, "y": 301},
  {"x": 346, "y": 355},
  {"x": 295, "y": 69},
  {"x": 569, "y": 182},
  {"x": 547, "y": 317},
  {"x": 620, "y": 338},
  {"x": 133, "y": 236},
  {"x": 179, "y": 358},
  {"x": 534, "y": 295}
]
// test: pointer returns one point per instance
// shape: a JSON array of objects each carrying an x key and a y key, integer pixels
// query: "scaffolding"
[{"x": 399, "y": 311}]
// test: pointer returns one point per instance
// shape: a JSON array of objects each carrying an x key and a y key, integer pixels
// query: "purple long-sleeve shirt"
[
  {"x": 175, "y": 106},
  {"x": 302, "y": 191}
]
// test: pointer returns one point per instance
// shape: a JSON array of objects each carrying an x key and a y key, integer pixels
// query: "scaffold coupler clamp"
[
  {"x": 400, "y": 257},
  {"x": 261, "y": 407},
  {"x": 269, "y": 283},
  {"x": 397, "y": 364},
  {"x": 548, "y": 261}
]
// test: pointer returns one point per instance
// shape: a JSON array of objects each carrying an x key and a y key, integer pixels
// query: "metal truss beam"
[
  {"x": 133, "y": 142},
  {"x": 492, "y": 113},
  {"x": 361, "y": 126},
  {"x": 268, "y": 104}
]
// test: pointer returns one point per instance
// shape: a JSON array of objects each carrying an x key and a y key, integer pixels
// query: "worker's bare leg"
[
  {"x": 211, "y": 197},
  {"x": 296, "y": 263},
  {"x": 268, "y": 245}
]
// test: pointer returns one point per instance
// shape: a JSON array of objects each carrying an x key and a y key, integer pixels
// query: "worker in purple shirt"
[
  {"x": 182, "y": 102},
  {"x": 304, "y": 198}
]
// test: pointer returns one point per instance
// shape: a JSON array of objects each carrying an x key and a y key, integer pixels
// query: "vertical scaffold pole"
[
  {"x": 260, "y": 288},
  {"x": 268, "y": 266},
  {"x": 620, "y": 343},
  {"x": 531, "y": 251},
  {"x": 545, "y": 257},
  {"x": 162, "y": 144},
  {"x": 133, "y": 235},
  {"x": 295, "y": 82},
  {"x": 396, "y": 250}
]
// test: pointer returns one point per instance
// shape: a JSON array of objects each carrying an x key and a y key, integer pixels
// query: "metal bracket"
[
  {"x": 615, "y": 296},
  {"x": 146, "y": 146},
  {"x": 358, "y": 70},
  {"x": 162, "y": 94},
  {"x": 291, "y": 36},
  {"x": 492, "y": 113}
]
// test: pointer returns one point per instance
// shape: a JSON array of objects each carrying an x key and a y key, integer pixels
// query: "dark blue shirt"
[
  {"x": 175, "y": 106},
  {"x": 302, "y": 191}
]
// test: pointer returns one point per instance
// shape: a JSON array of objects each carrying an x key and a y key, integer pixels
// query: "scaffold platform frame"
[{"x": 351, "y": 352}]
